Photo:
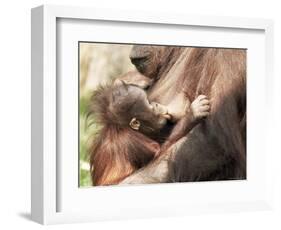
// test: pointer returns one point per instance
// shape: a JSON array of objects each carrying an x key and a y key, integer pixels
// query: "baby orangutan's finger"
[
  {"x": 205, "y": 108},
  {"x": 201, "y": 97},
  {"x": 205, "y": 102}
]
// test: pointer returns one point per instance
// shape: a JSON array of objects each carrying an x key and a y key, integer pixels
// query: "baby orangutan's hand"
[{"x": 200, "y": 107}]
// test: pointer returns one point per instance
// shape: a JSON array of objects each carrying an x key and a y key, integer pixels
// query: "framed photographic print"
[{"x": 137, "y": 114}]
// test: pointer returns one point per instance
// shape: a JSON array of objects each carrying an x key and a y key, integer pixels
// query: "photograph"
[{"x": 153, "y": 114}]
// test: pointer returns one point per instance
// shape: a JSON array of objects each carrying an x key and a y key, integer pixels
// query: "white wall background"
[{"x": 15, "y": 113}]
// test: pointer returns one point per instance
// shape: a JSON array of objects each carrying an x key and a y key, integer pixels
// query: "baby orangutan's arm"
[
  {"x": 156, "y": 171},
  {"x": 198, "y": 110}
]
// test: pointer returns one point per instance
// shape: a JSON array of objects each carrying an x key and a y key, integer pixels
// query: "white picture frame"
[{"x": 78, "y": 205}]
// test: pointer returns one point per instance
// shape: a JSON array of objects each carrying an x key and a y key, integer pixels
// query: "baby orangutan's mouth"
[
  {"x": 161, "y": 110},
  {"x": 167, "y": 116}
]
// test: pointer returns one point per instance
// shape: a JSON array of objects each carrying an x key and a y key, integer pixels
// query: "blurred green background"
[{"x": 99, "y": 63}]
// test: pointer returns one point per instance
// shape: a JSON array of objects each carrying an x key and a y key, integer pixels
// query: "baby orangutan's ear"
[{"x": 135, "y": 124}]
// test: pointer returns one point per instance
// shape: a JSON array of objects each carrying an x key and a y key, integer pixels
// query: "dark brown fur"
[
  {"x": 216, "y": 149},
  {"x": 117, "y": 150}
]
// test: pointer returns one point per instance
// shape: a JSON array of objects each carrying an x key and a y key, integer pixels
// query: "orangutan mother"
[{"x": 216, "y": 148}]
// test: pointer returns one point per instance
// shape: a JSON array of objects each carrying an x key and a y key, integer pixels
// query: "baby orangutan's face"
[{"x": 131, "y": 105}]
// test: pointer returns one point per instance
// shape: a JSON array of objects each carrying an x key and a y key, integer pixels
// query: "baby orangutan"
[
  {"x": 180, "y": 109},
  {"x": 128, "y": 124}
]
